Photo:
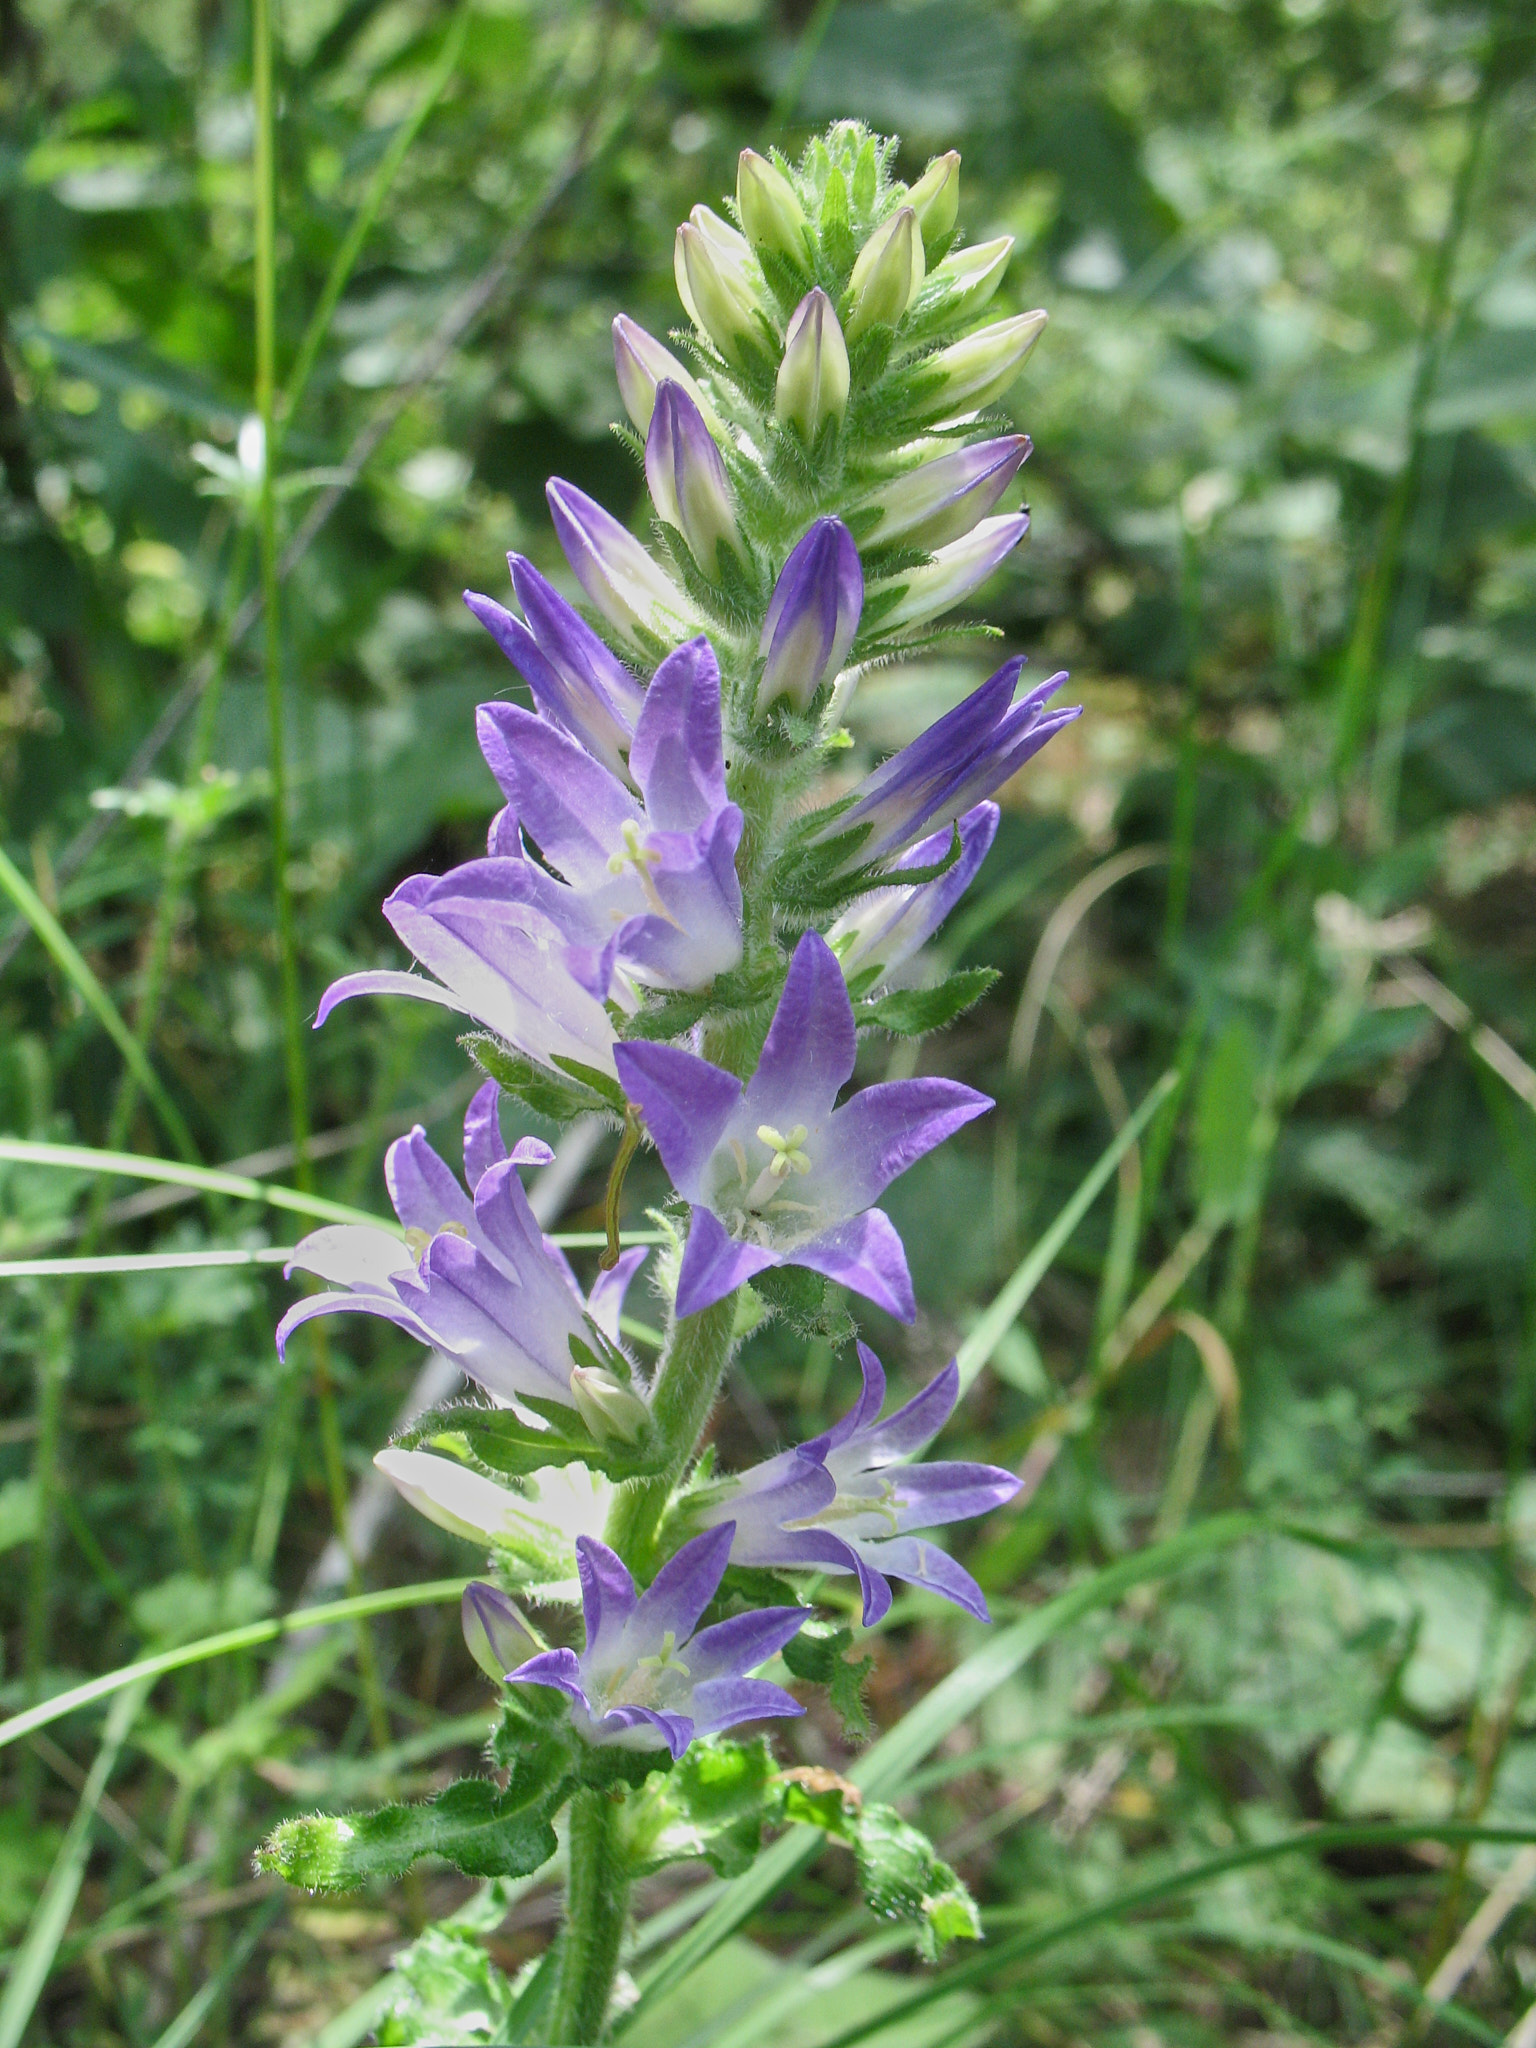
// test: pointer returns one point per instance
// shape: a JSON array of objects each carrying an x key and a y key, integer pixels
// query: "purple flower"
[
  {"x": 960, "y": 759},
  {"x": 615, "y": 571},
  {"x": 640, "y": 364},
  {"x": 876, "y": 1501},
  {"x": 475, "y": 1276},
  {"x": 953, "y": 572},
  {"x": 812, "y": 617},
  {"x": 576, "y": 680},
  {"x": 648, "y": 887},
  {"x": 776, "y": 1175},
  {"x": 687, "y": 479},
  {"x": 645, "y": 1680},
  {"x": 939, "y": 501},
  {"x": 885, "y": 927},
  {"x": 498, "y": 958}
]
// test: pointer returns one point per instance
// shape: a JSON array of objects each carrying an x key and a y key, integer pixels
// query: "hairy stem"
[
  {"x": 698, "y": 1351},
  {"x": 596, "y": 1904}
]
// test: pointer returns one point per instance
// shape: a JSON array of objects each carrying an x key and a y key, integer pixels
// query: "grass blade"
[
  {"x": 270, "y": 1255},
  {"x": 209, "y": 1179},
  {"x": 188, "y": 2022}
]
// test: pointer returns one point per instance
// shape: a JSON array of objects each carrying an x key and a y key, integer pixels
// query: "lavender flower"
[
  {"x": 776, "y": 1175},
  {"x": 648, "y": 887},
  {"x": 961, "y": 758},
  {"x": 954, "y": 572},
  {"x": 812, "y": 617},
  {"x": 645, "y": 1680},
  {"x": 641, "y": 363},
  {"x": 612, "y": 567},
  {"x": 687, "y": 479},
  {"x": 885, "y": 927},
  {"x": 940, "y": 501},
  {"x": 575, "y": 679},
  {"x": 879, "y": 1499},
  {"x": 476, "y": 1278}
]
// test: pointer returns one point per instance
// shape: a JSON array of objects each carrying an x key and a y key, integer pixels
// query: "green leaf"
[
  {"x": 471, "y": 1824},
  {"x": 560, "y": 1097},
  {"x": 511, "y": 1448},
  {"x": 600, "y": 1084},
  {"x": 449, "y": 1993},
  {"x": 816, "y": 1657},
  {"x": 714, "y": 1803},
  {"x": 803, "y": 1300},
  {"x": 904, "y": 1878},
  {"x": 912, "y": 1011}
]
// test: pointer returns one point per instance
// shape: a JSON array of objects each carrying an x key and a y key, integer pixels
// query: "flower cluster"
[{"x": 685, "y": 920}]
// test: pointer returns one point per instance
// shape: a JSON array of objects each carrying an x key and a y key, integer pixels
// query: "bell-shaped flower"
[
  {"x": 939, "y": 501},
  {"x": 474, "y": 1276},
  {"x": 812, "y": 616},
  {"x": 498, "y": 957},
  {"x": 960, "y": 759},
  {"x": 887, "y": 274},
  {"x": 812, "y": 385},
  {"x": 687, "y": 479},
  {"x": 640, "y": 363},
  {"x": 974, "y": 371},
  {"x": 647, "y": 887},
  {"x": 954, "y": 571},
  {"x": 615, "y": 570},
  {"x": 775, "y": 1173},
  {"x": 935, "y": 198},
  {"x": 969, "y": 277},
  {"x": 713, "y": 267},
  {"x": 880, "y": 1500},
  {"x": 645, "y": 1679},
  {"x": 771, "y": 214},
  {"x": 885, "y": 927},
  {"x": 575, "y": 678}
]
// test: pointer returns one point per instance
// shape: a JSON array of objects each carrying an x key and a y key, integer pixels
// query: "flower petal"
[
  {"x": 555, "y": 1668},
  {"x": 924, "y": 1564},
  {"x": 884, "y": 1129},
  {"x": 866, "y": 1254},
  {"x": 723, "y": 1702},
  {"x": 608, "y": 1598},
  {"x": 686, "y": 1103},
  {"x": 744, "y": 1642},
  {"x": 715, "y": 1264},
  {"x": 572, "y": 806},
  {"x": 678, "y": 756},
  {"x": 811, "y": 1044},
  {"x": 680, "y": 1592}
]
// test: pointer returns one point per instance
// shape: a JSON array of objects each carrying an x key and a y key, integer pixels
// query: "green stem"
[
  {"x": 596, "y": 1905},
  {"x": 687, "y": 1382}
]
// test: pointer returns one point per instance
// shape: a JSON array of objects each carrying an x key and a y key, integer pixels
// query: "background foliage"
[{"x": 1284, "y": 502}]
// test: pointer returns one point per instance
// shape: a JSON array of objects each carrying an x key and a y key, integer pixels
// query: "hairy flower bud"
[
  {"x": 771, "y": 215},
  {"x": 973, "y": 275},
  {"x": 887, "y": 276},
  {"x": 813, "y": 616},
  {"x": 983, "y": 365},
  {"x": 612, "y": 1411},
  {"x": 613, "y": 568},
  {"x": 711, "y": 264},
  {"x": 641, "y": 363},
  {"x": 935, "y": 198},
  {"x": 812, "y": 387},
  {"x": 956, "y": 571},
  {"x": 942, "y": 500},
  {"x": 687, "y": 479}
]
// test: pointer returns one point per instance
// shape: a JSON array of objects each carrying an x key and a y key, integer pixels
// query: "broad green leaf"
[
  {"x": 502, "y": 1443},
  {"x": 713, "y": 1803},
  {"x": 910, "y": 1012},
  {"x": 817, "y": 1656}
]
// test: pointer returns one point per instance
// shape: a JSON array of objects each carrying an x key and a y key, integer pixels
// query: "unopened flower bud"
[
  {"x": 610, "y": 1410},
  {"x": 812, "y": 387},
  {"x": 612, "y": 567},
  {"x": 887, "y": 276},
  {"x": 771, "y": 215},
  {"x": 494, "y": 1630},
  {"x": 983, "y": 365},
  {"x": 956, "y": 571},
  {"x": 463, "y": 1502},
  {"x": 973, "y": 275},
  {"x": 942, "y": 500},
  {"x": 935, "y": 198},
  {"x": 641, "y": 363},
  {"x": 687, "y": 479},
  {"x": 711, "y": 264},
  {"x": 813, "y": 616}
]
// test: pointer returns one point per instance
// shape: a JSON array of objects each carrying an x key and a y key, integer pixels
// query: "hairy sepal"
[
  {"x": 913, "y": 1012},
  {"x": 506, "y": 1447},
  {"x": 802, "y": 1299},
  {"x": 562, "y": 1096}
]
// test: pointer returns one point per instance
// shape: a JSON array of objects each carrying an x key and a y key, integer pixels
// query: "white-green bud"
[
  {"x": 608, "y": 1408},
  {"x": 641, "y": 363},
  {"x": 463, "y": 1502},
  {"x": 935, "y": 198},
  {"x": 711, "y": 263},
  {"x": 812, "y": 385},
  {"x": 972, "y": 275},
  {"x": 983, "y": 365},
  {"x": 771, "y": 215},
  {"x": 887, "y": 276}
]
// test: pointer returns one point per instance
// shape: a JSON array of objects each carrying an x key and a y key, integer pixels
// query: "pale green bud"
[
  {"x": 935, "y": 198},
  {"x": 983, "y": 365},
  {"x": 887, "y": 276},
  {"x": 813, "y": 378},
  {"x": 972, "y": 275},
  {"x": 463, "y": 1502},
  {"x": 608, "y": 1408},
  {"x": 770, "y": 213},
  {"x": 641, "y": 363},
  {"x": 711, "y": 263}
]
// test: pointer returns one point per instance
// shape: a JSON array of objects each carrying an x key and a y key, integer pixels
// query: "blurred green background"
[{"x": 1284, "y": 536}]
